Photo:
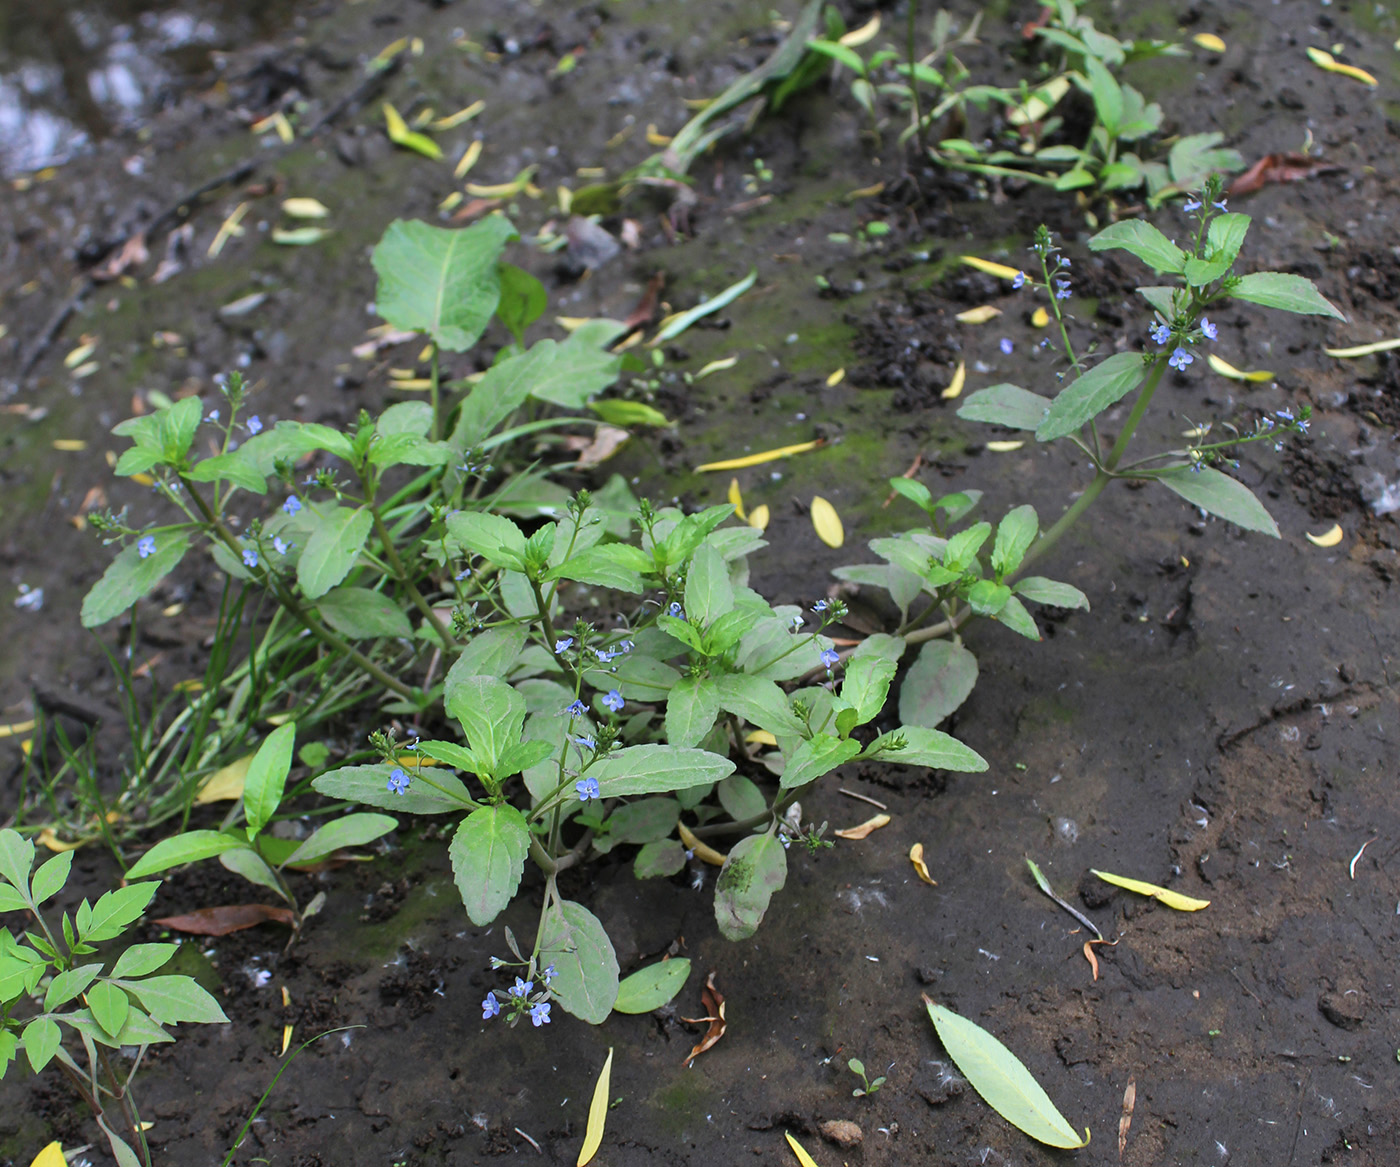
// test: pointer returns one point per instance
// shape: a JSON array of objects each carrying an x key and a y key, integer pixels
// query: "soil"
[{"x": 1221, "y": 722}]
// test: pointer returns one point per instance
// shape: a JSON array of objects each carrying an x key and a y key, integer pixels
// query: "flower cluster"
[{"x": 522, "y": 999}]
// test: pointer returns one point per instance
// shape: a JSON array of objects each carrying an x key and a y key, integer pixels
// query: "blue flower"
[
  {"x": 577, "y": 709},
  {"x": 539, "y": 1014},
  {"x": 521, "y": 988},
  {"x": 587, "y": 788},
  {"x": 146, "y": 547},
  {"x": 797, "y": 622},
  {"x": 1161, "y": 334},
  {"x": 1303, "y": 424},
  {"x": 250, "y": 557},
  {"x": 1191, "y": 204},
  {"x": 213, "y": 416},
  {"x": 563, "y": 644},
  {"x": 1284, "y": 414},
  {"x": 1210, "y": 330},
  {"x": 255, "y": 425},
  {"x": 676, "y": 610},
  {"x": 604, "y": 655},
  {"x": 583, "y": 741},
  {"x": 309, "y": 480},
  {"x": 398, "y": 781},
  {"x": 490, "y": 1007},
  {"x": 1220, "y": 206},
  {"x": 292, "y": 505},
  {"x": 820, "y": 606},
  {"x": 829, "y": 658},
  {"x": 625, "y": 646},
  {"x": 1006, "y": 345},
  {"x": 1180, "y": 358},
  {"x": 1020, "y": 281},
  {"x": 613, "y": 700},
  {"x": 1062, "y": 290},
  {"x": 280, "y": 546},
  {"x": 1064, "y": 262},
  {"x": 549, "y": 974},
  {"x": 463, "y": 574}
]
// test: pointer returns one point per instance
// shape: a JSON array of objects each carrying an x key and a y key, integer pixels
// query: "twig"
[
  {"x": 863, "y": 798},
  {"x": 529, "y": 1140},
  {"x": 357, "y": 96},
  {"x": 1352, "y": 867},
  {"x": 1044, "y": 885}
]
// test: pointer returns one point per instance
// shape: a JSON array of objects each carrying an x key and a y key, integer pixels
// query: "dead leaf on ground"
[
  {"x": 1283, "y": 167},
  {"x": 1089, "y": 953},
  {"x": 1124, "y": 1123},
  {"x": 1028, "y": 30},
  {"x": 475, "y": 209},
  {"x": 916, "y": 857},
  {"x": 230, "y": 918},
  {"x": 604, "y": 443},
  {"x": 863, "y": 829},
  {"x": 645, "y": 311},
  {"x": 133, "y": 253},
  {"x": 713, "y": 1000}
]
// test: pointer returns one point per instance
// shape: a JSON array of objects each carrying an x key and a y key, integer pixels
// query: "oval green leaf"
[
  {"x": 488, "y": 857},
  {"x": 585, "y": 981},
  {"x": 755, "y": 869},
  {"x": 651, "y": 987}
]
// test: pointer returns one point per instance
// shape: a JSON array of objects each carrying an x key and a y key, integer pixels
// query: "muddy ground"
[{"x": 1222, "y": 720}]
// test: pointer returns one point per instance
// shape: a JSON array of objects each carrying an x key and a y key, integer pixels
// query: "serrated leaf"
[
  {"x": 937, "y": 683},
  {"x": 1173, "y": 899},
  {"x": 708, "y": 591},
  {"x": 755, "y": 869},
  {"x": 493, "y": 537},
  {"x": 1144, "y": 241},
  {"x": 585, "y": 981},
  {"x": 491, "y": 713},
  {"x": 1220, "y": 495},
  {"x": 691, "y": 708},
  {"x": 653, "y": 986},
  {"x": 1015, "y": 533},
  {"x": 129, "y": 576},
  {"x": 335, "y": 543},
  {"x": 1274, "y": 289},
  {"x": 488, "y": 858},
  {"x": 361, "y": 613}
]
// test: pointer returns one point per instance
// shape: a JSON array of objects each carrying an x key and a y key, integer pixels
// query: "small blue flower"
[
  {"x": 1062, "y": 290},
  {"x": 1210, "y": 330},
  {"x": 146, "y": 547},
  {"x": 1303, "y": 424},
  {"x": 463, "y": 574},
  {"x": 292, "y": 505},
  {"x": 255, "y": 425},
  {"x": 309, "y": 480},
  {"x": 490, "y": 1007},
  {"x": 213, "y": 416},
  {"x": 398, "y": 781},
  {"x": 1284, "y": 414},
  {"x": 613, "y": 700},
  {"x": 797, "y": 622},
  {"x": 1161, "y": 334},
  {"x": 625, "y": 646},
  {"x": 563, "y": 644},
  {"x": 1191, "y": 204},
  {"x": 1266, "y": 423},
  {"x": 829, "y": 658},
  {"x": 521, "y": 988},
  {"x": 250, "y": 557},
  {"x": 1195, "y": 467},
  {"x": 603, "y": 655},
  {"x": 1006, "y": 345},
  {"x": 1180, "y": 358},
  {"x": 676, "y": 610},
  {"x": 1220, "y": 206},
  {"x": 549, "y": 974},
  {"x": 577, "y": 709},
  {"x": 587, "y": 788},
  {"x": 583, "y": 741},
  {"x": 1064, "y": 262},
  {"x": 539, "y": 1014},
  {"x": 1020, "y": 281},
  {"x": 820, "y": 606},
  {"x": 280, "y": 545}
]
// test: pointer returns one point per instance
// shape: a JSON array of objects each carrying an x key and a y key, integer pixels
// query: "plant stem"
[
  {"x": 433, "y": 397},
  {"x": 401, "y": 574},
  {"x": 922, "y": 138}
]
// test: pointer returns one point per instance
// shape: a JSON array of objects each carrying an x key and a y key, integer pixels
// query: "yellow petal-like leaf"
[
  {"x": 48, "y": 839},
  {"x": 1000, "y": 270},
  {"x": 916, "y": 857},
  {"x": 1040, "y": 318},
  {"x": 979, "y": 315},
  {"x": 827, "y": 522},
  {"x": 401, "y": 135},
  {"x": 1173, "y": 899},
  {"x": 656, "y": 138},
  {"x": 863, "y": 829},
  {"x": 1364, "y": 350},
  {"x": 717, "y": 366},
  {"x": 299, "y": 236},
  {"x": 468, "y": 159},
  {"x": 302, "y": 208},
  {"x": 1329, "y": 538},
  {"x": 79, "y": 355},
  {"x": 761, "y": 457},
  {"x": 1225, "y": 369},
  {"x": 597, "y": 1114},
  {"x": 760, "y": 737},
  {"x": 452, "y": 121},
  {"x": 836, "y": 378},
  {"x": 1325, "y": 60},
  {"x": 69, "y": 445},
  {"x": 1041, "y": 102},
  {"x": 802, "y": 1157},
  {"x": 758, "y": 517},
  {"x": 1004, "y": 447},
  {"x": 225, "y": 784},
  {"x": 50, "y": 1156},
  {"x": 866, "y": 32},
  {"x": 286, "y": 1039},
  {"x": 736, "y": 498},
  {"x": 1209, "y": 41},
  {"x": 955, "y": 386},
  {"x": 703, "y": 851}
]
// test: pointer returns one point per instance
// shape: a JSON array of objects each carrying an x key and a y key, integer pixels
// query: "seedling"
[{"x": 867, "y": 1086}]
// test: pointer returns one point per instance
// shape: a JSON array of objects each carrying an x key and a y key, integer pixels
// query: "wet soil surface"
[{"x": 1223, "y": 721}]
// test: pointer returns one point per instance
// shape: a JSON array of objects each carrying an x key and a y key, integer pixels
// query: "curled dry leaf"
[
  {"x": 863, "y": 829},
  {"x": 606, "y": 442},
  {"x": 736, "y": 498},
  {"x": 1225, "y": 369},
  {"x": 916, "y": 857},
  {"x": 827, "y": 522},
  {"x": 955, "y": 386},
  {"x": 226, "y": 783},
  {"x": 1364, "y": 350},
  {"x": 1282, "y": 167},
  {"x": 1126, "y": 1121},
  {"x": 979, "y": 315},
  {"x": 230, "y": 918},
  {"x": 713, "y": 1000},
  {"x": 1325, "y": 60},
  {"x": 645, "y": 311},
  {"x": 1004, "y": 447},
  {"x": 474, "y": 210},
  {"x": 1328, "y": 538},
  {"x": 702, "y": 851},
  {"x": 133, "y": 253}
]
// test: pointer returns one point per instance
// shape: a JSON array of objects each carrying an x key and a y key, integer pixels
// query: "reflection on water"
[{"x": 73, "y": 72}]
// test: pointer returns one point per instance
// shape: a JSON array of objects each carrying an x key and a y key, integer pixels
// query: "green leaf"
[
  {"x": 142, "y": 959},
  {"x": 613, "y": 565},
  {"x": 190, "y": 847},
  {"x": 495, "y": 539},
  {"x": 432, "y": 791},
  {"x": 109, "y": 1006},
  {"x": 173, "y": 999},
  {"x": 815, "y": 757},
  {"x": 741, "y": 798},
  {"x": 336, "y": 542},
  {"x": 568, "y": 374},
  {"x": 1161, "y": 298},
  {"x": 488, "y": 858},
  {"x": 69, "y": 984},
  {"x": 117, "y": 908},
  {"x": 1013, "y": 614},
  {"x": 755, "y": 869},
  {"x": 267, "y": 776},
  {"x": 408, "y": 450},
  {"x": 713, "y": 304},
  {"x": 649, "y": 820},
  {"x": 638, "y": 677},
  {"x": 1049, "y": 591},
  {"x": 1226, "y": 235},
  {"x": 248, "y": 863},
  {"x": 41, "y": 1039},
  {"x": 1015, "y": 534},
  {"x": 691, "y": 708},
  {"x": 659, "y": 860},
  {"x": 487, "y": 654},
  {"x": 491, "y": 713},
  {"x": 840, "y": 53},
  {"x": 16, "y": 858},
  {"x": 1275, "y": 289},
  {"x": 1220, "y": 495},
  {"x": 987, "y": 597},
  {"x": 1108, "y": 97},
  {"x": 51, "y": 876},
  {"x": 235, "y": 468},
  {"x": 682, "y": 631},
  {"x": 915, "y": 492},
  {"x": 442, "y": 282},
  {"x": 651, "y": 987},
  {"x": 926, "y": 747},
  {"x": 1144, "y": 241},
  {"x": 866, "y": 685},
  {"x": 655, "y": 769},
  {"x": 1195, "y": 156},
  {"x": 760, "y": 702},
  {"x": 523, "y": 300},
  {"x": 1088, "y": 396},
  {"x": 360, "y": 612},
  {"x": 129, "y": 577},
  {"x": 178, "y": 424},
  {"x": 1006, "y": 405},
  {"x": 354, "y": 830},
  {"x": 628, "y": 413},
  {"x": 937, "y": 683},
  {"x": 1002, "y": 1081},
  {"x": 585, "y": 981},
  {"x": 961, "y": 550},
  {"x": 708, "y": 592}
]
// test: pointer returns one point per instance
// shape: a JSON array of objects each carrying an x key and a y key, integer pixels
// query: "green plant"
[
  {"x": 867, "y": 1086},
  {"x": 125, "y": 1007}
]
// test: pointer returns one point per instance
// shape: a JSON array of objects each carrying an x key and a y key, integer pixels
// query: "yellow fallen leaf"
[
  {"x": 1004, "y": 447},
  {"x": 286, "y": 1039},
  {"x": 414, "y": 761},
  {"x": 992, "y": 269},
  {"x": 761, "y": 457},
  {"x": 916, "y": 857},
  {"x": 863, "y": 829},
  {"x": 1364, "y": 350},
  {"x": 277, "y": 122},
  {"x": 79, "y": 355},
  {"x": 300, "y": 236},
  {"x": 1208, "y": 40},
  {"x": 452, "y": 121},
  {"x": 468, "y": 159},
  {"x": 1225, "y": 369},
  {"x": 565, "y": 198},
  {"x": 1040, "y": 318},
  {"x": 1173, "y": 899},
  {"x": 1325, "y": 60},
  {"x": 569, "y": 323},
  {"x": 226, "y": 783},
  {"x": 702, "y": 851},
  {"x": 955, "y": 386},
  {"x": 866, "y": 32},
  {"x": 143, "y": 480},
  {"x": 979, "y": 315},
  {"x": 802, "y": 1157},
  {"x": 50, "y": 1156},
  {"x": 86, "y": 370},
  {"x": 760, "y": 737},
  {"x": 717, "y": 366},
  {"x": 48, "y": 839},
  {"x": 865, "y": 192},
  {"x": 597, "y": 1114},
  {"x": 655, "y": 138},
  {"x": 286, "y": 998},
  {"x": 302, "y": 208},
  {"x": 401, "y": 135},
  {"x": 189, "y": 685},
  {"x": 758, "y": 517},
  {"x": 16, "y": 727},
  {"x": 736, "y": 498},
  {"x": 391, "y": 50},
  {"x": 227, "y": 229},
  {"x": 69, "y": 445},
  {"x": 506, "y": 190},
  {"x": 1328, "y": 538},
  {"x": 1041, "y": 102},
  {"x": 827, "y": 522},
  {"x": 413, "y": 383},
  {"x": 836, "y": 378}
]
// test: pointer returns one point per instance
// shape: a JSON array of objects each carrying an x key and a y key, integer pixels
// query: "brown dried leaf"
[
  {"x": 916, "y": 857},
  {"x": 231, "y": 918},
  {"x": 475, "y": 209},
  {"x": 1124, "y": 1123},
  {"x": 713, "y": 1000},
  {"x": 1091, "y": 958},
  {"x": 1284, "y": 167},
  {"x": 645, "y": 311},
  {"x": 605, "y": 442},
  {"x": 859, "y": 832},
  {"x": 132, "y": 254}
]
